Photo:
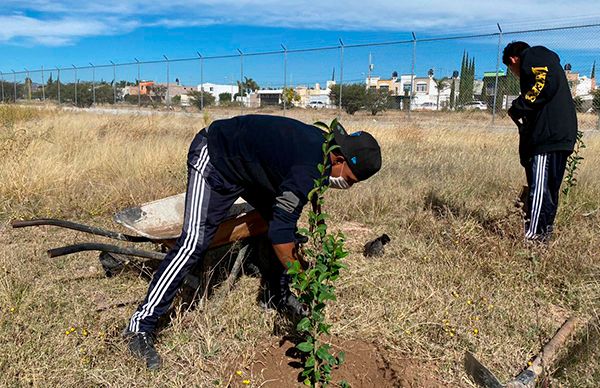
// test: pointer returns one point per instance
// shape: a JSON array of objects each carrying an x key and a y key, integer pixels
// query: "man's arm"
[
  {"x": 286, "y": 212},
  {"x": 541, "y": 83}
]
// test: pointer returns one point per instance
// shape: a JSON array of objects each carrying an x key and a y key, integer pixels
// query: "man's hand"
[
  {"x": 515, "y": 118},
  {"x": 288, "y": 253}
]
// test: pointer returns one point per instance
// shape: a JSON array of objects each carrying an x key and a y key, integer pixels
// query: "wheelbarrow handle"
[
  {"x": 79, "y": 227},
  {"x": 67, "y": 250}
]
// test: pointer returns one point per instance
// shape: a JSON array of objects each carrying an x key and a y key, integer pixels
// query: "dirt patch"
[{"x": 366, "y": 365}]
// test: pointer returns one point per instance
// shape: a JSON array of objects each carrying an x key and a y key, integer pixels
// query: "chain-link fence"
[{"x": 462, "y": 72}]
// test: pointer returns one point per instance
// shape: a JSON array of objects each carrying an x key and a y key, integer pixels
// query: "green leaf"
[
  {"x": 304, "y": 347},
  {"x": 303, "y": 325},
  {"x": 321, "y": 125},
  {"x": 323, "y": 352},
  {"x": 310, "y": 362},
  {"x": 341, "y": 357}
]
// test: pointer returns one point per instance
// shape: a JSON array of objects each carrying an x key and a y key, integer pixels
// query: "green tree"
[
  {"x": 197, "y": 97},
  {"x": 440, "y": 84},
  {"x": 376, "y": 100},
  {"x": 249, "y": 85},
  {"x": 224, "y": 98},
  {"x": 290, "y": 96},
  {"x": 353, "y": 97},
  {"x": 462, "y": 91},
  {"x": 593, "y": 73}
]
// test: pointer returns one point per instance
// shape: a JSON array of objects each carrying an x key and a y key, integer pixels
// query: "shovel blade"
[{"x": 479, "y": 373}]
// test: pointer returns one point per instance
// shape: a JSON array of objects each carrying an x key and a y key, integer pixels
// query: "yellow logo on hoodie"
[{"x": 540, "y": 81}]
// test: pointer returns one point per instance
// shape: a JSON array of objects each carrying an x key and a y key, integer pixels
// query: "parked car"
[
  {"x": 427, "y": 106},
  {"x": 316, "y": 104},
  {"x": 474, "y": 105}
]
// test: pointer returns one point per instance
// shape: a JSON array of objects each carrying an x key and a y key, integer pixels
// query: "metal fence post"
[
  {"x": 114, "y": 83},
  {"x": 93, "y": 83},
  {"x": 2, "y": 80},
  {"x": 28, "y": 82},
  {"x": 168, "y": 95},
  {"x": 341, "y": 75},
  {"x": 43, "y": 86},
  {"x": 497, "y": 70},
  {"x": 412, "y": 73},
  {"x": 285, "y": 78},
  {"x": 201, "y": 80},
  {"x": 242, "y": 81},
  {"x": 139, "y": 82},
  {"x": 76, "y": 82},
  {"x": 14, "y": 84},
  {"x": 58, "y": 83}
]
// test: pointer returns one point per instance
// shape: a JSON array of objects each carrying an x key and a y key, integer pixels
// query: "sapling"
[{"x": 314, "y": 285}]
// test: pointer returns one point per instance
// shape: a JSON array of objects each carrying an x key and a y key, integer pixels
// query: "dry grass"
[{"x": 456, "y": 262}]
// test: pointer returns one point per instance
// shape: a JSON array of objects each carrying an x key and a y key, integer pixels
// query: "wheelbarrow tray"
[
  {"x": 158, "y": 221},
  {"x": 163, "y": 219}
]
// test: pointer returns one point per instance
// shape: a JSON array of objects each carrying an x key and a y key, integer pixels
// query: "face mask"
[{"x": 337, "y": 182}]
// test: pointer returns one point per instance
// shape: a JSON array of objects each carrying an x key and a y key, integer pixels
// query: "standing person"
[
  {"x": 272, "y": 163},
  {"x": 547, "y": 121}
]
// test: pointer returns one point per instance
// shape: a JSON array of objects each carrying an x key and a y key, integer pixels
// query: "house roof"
[{"x": 493, "y": 73}]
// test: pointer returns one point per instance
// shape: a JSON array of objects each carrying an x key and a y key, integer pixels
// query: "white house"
[{"x": 216, "y": 89}]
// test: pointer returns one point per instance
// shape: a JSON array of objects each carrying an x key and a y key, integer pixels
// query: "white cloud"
[{"x": 65, "y": 21}]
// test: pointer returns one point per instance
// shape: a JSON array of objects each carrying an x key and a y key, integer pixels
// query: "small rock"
[{"x": 376, "y": 246}]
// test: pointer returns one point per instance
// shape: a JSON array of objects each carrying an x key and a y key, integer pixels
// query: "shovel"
[{"x": 526, "y": 379}]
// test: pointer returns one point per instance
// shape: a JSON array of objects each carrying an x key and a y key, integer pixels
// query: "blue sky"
[{"x": 64, "y": 32}]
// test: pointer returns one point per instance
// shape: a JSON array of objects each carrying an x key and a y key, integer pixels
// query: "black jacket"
[
  {"x": 545, "y": 105},
  {"x": 274, "y": 159}
]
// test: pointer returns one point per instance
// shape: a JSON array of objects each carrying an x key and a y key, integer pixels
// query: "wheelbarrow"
[{"x": 241, "y": 236}]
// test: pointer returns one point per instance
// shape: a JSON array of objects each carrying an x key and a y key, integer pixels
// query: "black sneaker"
[{"x": 141, "y": 345}]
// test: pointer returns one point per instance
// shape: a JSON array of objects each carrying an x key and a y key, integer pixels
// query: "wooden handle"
[{"x": 549, "y": 352}]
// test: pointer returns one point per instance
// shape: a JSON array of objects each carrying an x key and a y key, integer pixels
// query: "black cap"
[{"x": 361, "y": 151}]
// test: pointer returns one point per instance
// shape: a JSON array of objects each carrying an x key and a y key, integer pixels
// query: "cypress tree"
[
  {"x": 464, "y": 79},
  {"x": 593, "y": 74}
]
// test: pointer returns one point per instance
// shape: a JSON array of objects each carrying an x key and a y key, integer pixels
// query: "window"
[
  {"x": 384, "y": 87},
  {"x": 421, "y": 87}
]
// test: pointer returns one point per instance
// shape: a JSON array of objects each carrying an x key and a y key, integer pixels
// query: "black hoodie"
[{"x": 545, "y": 105}]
